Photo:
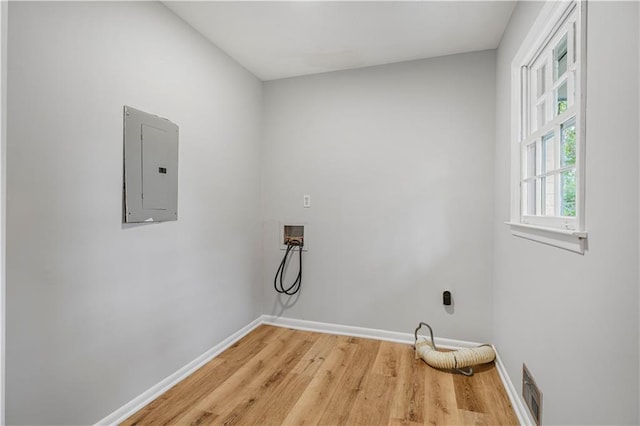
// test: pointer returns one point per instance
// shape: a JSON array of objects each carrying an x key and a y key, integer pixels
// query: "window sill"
[{"x": 574, "y": 241}]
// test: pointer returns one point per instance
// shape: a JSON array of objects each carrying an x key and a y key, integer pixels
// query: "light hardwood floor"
[{"x": 276, "y": 375}]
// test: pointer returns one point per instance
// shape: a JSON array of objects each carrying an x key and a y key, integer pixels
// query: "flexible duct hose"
[{"x": 457, "y": 360}]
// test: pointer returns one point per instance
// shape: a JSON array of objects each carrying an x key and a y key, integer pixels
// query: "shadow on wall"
[{"x": 283, "y": 302}]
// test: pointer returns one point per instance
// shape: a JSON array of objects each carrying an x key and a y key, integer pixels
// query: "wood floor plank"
[
  {"x": 349, "y": 387},
  {"x": 440, "y": 399},
  {"x": 373, "y": 404},
  {"x": 501, "y": 411},
  {"x": 171, "y": 404},
  {"x": 469, "y": 393},
  {"x": 403, "y": 422},
  {"x": 282, "y": 382},
  {"x": 275, "y": 406},
  {"x": 318, "y": 353},
  {"x": 277, "y": 376},
  {"x": 263, "y": 371},
  {"x": 202, "y": 418},
  {"x": 313, "y": 401},
  {"x": 408, "y": 401},
  {"x": 474, "y": 418},
  {"x": 387, "y": 361}
]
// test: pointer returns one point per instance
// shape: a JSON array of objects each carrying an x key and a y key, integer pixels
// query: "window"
[{"x": 548, "y": 129}]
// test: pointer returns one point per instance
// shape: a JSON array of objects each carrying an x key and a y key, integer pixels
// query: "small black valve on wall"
[{"x": 446, "y": 298}]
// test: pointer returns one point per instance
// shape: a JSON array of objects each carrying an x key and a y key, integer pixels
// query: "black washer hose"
[{"x": 278, "y": 284}]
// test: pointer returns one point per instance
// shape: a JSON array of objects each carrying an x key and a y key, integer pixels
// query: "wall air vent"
[{"x": 531, "y": 394}]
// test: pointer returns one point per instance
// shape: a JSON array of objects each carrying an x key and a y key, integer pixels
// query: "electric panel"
[{"x": 150, "y": 168}]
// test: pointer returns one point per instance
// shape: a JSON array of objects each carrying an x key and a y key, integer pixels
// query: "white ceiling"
[{"x": 290, "y": 38}]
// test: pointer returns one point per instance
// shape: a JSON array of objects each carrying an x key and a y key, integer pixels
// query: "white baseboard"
[
  {"x": 516, "y": 402},
  {"x": 158, "y": 389},
  {"x": 393, "y": 336},
  {"x": 367, "y": 333},
  {"x": 164, "y": 385}
]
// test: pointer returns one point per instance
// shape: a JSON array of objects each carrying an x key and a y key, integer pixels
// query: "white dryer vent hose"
[{"x": 456, "y": 360}]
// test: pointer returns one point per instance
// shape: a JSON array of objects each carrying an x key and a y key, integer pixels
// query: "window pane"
[
  {"x": 561, "y": 98},
  {"x": 560, "y": 58},
  {"x": 575, "y": 36},
  {"x": 549, "y": 183},
  {"x": 529, "y": 197},
  {"x": 548, "y": 152},
  {"x": 568, "y": 143},
  {"x": 531, "y": 160},
  {"x": 549, "y": 96},
  {"x": 541, "y": 80},
  {"x": 541, "y": 115},
  {"x": 568, "y": 207},
  {"x": 573, "y": 88},
  {"x": 536, "y": 204}
]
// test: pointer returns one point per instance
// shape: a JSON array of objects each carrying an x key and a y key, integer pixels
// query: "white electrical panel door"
[
  {"x": 156, "y": 173},
  {"x": 150, "y": 168}
]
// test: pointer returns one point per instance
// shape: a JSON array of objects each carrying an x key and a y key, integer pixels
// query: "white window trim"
[{"x": 569, "y": 239}]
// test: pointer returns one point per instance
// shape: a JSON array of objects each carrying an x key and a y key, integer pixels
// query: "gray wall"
[
  {"x": 3, "y": 194},
  {"x": 98, "y": 312},
  {"x": 574, "y": 319},
  {"x": 398, "y": 160}
]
